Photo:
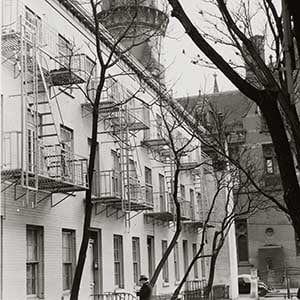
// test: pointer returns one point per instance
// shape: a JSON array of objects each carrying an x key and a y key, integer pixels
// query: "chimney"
[{"x": 258, "y": 42}]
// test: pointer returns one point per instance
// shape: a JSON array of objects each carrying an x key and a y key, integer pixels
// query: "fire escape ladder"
[
  {"x": 169, "y": 176},
  {"x": 29, "y": 124},
  {"x": 125, "y": 157}
]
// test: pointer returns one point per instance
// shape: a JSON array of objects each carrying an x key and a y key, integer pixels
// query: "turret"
[{"x": 141, "y": 24}]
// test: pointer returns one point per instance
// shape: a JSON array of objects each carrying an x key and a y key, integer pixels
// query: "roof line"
[{"x": 84, "y": 17}]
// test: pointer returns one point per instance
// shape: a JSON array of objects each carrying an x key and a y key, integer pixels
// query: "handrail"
[
  {"x": 114, "y": 296},
  {"x": 51, "y": 161}
]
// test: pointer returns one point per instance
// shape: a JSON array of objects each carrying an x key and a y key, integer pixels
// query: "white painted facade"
[{"x": 20, "y": 208}]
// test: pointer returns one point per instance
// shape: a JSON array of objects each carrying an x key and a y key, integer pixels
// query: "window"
[
  {"x": 185, "y": 254},
  {"x": 96, "y": 177},
  {"x": 162, "y": 196},
  {"x": 297, "y": 240},
  {"x": 148, "y": 185},
  {"x": 67, "y": 138},
  {"x": 196, "y": 272},
  {"x": 176, "y": 263},
  {"x": 269, "y": 165},
  {"x": 242, "y": 240},
  {"x": 34, "y": 261},
  {"x": 64, "y": 52},
  {"x": 182, "y": 192},
  {"x": 136, "y": 258},
  {"x": 116, "y": 174},
  {"x": 269, "y": 159},
  {"x": 118, "y": 261},
  {"x": 133, "y": 190},
  {"x": 203, "y": 267},
  {"x": 68, "y": 257},
  {"x": 192, "y": 200},
  {"x": 165, "y": 270},
  {"x": 148, "y": 176},
  {"x": 33, "y": 22},
  {"x": 151, "y": 255},
  {"x": 67, "y": 142},
  {"x": 90, "y": 67}
]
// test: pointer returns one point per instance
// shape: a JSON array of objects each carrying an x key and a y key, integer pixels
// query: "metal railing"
[
  {"x": 113, "y": 296},
  {"x": 75, "y": 64},
  {"x": 155, "y": 132},
  {"x": 107, "y": 184},
  {"x": 51, "y": 161},
  {"x": 185, "y": 207},
  {"x": 162, "y": 203},
  {"x": 148, "y": 190}
]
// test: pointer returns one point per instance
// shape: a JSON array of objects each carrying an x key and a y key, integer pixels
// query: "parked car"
[{"x": 244, "y": 282}]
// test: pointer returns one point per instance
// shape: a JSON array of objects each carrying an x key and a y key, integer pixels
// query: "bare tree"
[
  {"x": 180, "y": 144},
  {"x": 238, "y": 181},
  {"x": 272, "y": 96},
  {"x": 108, "y": 54}
]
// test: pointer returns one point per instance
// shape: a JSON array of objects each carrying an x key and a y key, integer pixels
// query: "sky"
[{"x": 184, "y": 77}]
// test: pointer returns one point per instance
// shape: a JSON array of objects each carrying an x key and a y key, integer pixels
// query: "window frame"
[
  {"x": 182, "y": 192},
  {"x": 195, "y": 267},
  {"x": 70, "y": 263},
  {"x": 38, "y": 262},
  {"x": 118, "y": 254},
  {"x": 64, "y": 49},
  {"x": 176, "y": 263},
  {"x": 185, "y": 254},
  {"x": 136, "y": 259},
  {"x": 165, "y": 269}
]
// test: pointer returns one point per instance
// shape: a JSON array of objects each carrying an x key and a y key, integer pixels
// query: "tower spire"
[{"x": 216, "y": 87}]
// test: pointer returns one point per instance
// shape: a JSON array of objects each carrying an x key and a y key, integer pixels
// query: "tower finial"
[{"x": 216, "y": 87}]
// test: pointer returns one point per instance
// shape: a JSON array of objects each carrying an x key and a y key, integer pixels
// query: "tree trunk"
[
  {"x": 88, "y": 197},
  {"x": 282, "y": 147},
  {"x": 183, "y": 280},
  {"x": 212, "y": 267}
]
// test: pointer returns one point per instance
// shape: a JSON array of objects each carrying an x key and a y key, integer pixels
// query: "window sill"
[
  {"x": 177, "y": 282},
  {"x": 165, "y": 284}
]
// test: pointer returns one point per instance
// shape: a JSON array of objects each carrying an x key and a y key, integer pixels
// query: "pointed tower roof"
[{"x": 216, "y": 87}]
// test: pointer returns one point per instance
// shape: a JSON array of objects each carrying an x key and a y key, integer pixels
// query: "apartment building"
[{"x": 47, "y": 55}]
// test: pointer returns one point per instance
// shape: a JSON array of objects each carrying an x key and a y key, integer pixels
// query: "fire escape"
[
  {"x": 122, "y": 116},
  {"x": 34, "y": 155}
]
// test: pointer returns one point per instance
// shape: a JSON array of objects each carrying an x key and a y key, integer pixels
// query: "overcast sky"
[{"x": 185, "y": 77}]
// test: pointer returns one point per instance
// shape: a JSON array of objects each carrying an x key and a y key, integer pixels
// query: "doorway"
[
  {"x": 94, "y": 262},
  {"x": 151, "y": 255}
]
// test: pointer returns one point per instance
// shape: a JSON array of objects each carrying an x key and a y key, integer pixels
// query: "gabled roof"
[{"x": 233, "y": 104}]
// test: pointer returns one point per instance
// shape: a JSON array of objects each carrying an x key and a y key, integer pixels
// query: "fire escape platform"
[
  {"x": 187, "y": 166},
  {"x": 64, "y": 76},
  {"x": 46, "y": 183},
  {"x": 10, "y": 45},
  {"x": 154, "y": 143},
  {"x": 162, "y": 216},
  {"x": 194, "y": 223},
  {"x": 117, "y": 202}
]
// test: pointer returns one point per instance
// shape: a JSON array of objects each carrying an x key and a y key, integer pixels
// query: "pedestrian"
[{"x": 146, "y": 289}]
